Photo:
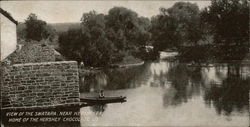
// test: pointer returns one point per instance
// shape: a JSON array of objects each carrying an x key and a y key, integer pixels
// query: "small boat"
[{"x": 103, "y": 100}]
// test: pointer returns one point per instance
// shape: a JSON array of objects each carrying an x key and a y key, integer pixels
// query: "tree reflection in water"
[
  {"x": 224, "y": 87},
  {"x": 112, "y": 79},
  {"x": 93, "y": 82},
  {"x": 232, "y": 94},
  {"x": 185, "y": 82}
]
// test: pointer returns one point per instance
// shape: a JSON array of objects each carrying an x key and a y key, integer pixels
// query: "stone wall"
[{"x": 40, "y": 84}]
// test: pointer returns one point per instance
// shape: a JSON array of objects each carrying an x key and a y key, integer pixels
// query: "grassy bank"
[{"x": 128, "y": 61}]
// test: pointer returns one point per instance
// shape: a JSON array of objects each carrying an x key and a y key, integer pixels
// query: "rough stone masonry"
[{"x": 40, "y": 84}]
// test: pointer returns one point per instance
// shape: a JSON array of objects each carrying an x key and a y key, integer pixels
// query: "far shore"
[
  {"x": 94, "y": 70},
  {"x": 127, "y": 65}
]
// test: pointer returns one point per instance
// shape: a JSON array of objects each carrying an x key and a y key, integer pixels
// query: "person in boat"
[
  {"x": 81, "y": 65},
  {"x": 101, "y": 94}
]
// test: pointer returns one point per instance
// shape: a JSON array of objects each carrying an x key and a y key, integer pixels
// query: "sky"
[{"x": 71, "y": 11}]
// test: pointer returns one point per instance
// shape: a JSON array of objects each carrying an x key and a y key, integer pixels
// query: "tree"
[
  {"x": 228, "y": 21},
  {"x": 176, "y": 26},
  {"x": 89, "y": 43},
  {"x": 163, "y": 32},
  {"x": 70, "y": 44},
  {"x": 187, "y": 19},
  {"x": 99, "y": 49},
  {"x": 38, "y": 29},
  {"x": 106, "y": 39},
  {"x": 143, "y": 36},
  {"x": 122, "y": 18},
  {"x": 127, "y": 27}
]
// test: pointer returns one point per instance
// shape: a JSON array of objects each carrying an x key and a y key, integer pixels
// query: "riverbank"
[
  {"x": 128, "y": 61},
  {"x": 127, "y": 65}
]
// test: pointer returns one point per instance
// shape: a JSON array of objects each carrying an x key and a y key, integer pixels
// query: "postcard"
[{"x": 124, "y": 63}]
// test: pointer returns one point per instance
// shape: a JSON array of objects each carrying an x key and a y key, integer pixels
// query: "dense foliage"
[
  {"x": 176, "y": 26},
  {"x": 228, "y": 22},
  {"x": 105, "y": 39},
  {"x": 37, "y": 29},
  {"x": 217, "y": 32}
]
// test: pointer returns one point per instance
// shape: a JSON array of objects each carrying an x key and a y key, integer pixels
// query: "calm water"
[{"x": 170, "y": 94}]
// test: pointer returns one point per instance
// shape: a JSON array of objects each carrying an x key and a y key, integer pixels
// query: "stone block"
[{"x": 40, "y": 84}]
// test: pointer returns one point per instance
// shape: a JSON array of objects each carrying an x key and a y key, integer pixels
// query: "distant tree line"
[
  {"x": 35, "y": 29},
  {"x": 105, "y": 39}
]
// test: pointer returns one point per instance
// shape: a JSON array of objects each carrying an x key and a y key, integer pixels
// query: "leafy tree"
[
  {"x": 70, "y": 44},
  {"x": 187, "y": 19},
  {"x": 122, "y": 18},
  {"x": 143, "y": 36},
  {"x": 176, "y": 26},
  {"x": 106, "y": 39},
  {"x": 127, "y": 28},
  {"x": 163, "y": 32},
  {"x": 38, "y": 29},
  {"x": 98, "y": 48},
  {"x": 88, "y": 44},
  {"x": 228, "y": 21}
]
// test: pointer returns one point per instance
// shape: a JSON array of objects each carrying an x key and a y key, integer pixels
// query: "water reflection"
[
  {"x": 91, "y": 81},
  {"x": 98, "y": 109},
  {"x": 112, "y": 79},
  {"x": 232, "y": 94},
  {"x": 186, "y": 83},
  {"x": 162, "y": 89}
]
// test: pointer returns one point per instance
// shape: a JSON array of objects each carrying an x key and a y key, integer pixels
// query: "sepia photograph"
[{"x": 78, "y": 63}]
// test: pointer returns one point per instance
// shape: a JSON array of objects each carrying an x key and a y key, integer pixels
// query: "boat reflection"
[{"x": 98, "y": 109}]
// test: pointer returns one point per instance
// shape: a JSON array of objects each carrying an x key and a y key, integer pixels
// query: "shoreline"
[
  {"x": 93, "y": 70},
  {"x": 127, "y": 65}
]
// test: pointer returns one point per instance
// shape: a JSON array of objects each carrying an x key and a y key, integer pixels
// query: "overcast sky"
[{"x": 71, "y": 11}]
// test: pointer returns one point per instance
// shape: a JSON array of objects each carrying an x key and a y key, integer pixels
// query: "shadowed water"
[{"x": 170, "y": 94}]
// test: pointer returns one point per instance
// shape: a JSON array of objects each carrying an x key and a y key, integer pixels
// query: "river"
[{"x": 164, "y": 93}]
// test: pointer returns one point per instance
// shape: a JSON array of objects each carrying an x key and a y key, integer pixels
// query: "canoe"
[{"x": 103, "y": 100}]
